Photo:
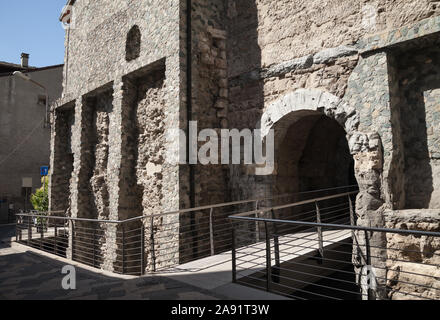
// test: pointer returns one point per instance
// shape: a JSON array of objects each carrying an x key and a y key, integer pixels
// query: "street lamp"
[{"x": 26, "y": 77}]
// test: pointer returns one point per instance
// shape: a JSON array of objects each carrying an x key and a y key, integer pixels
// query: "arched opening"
[
  {"x": 314, "y": 155},
  {"x": 313, "y": 160},
  {"x": 133, "y": 44}
]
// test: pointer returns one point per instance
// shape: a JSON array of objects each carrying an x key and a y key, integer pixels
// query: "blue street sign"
[{"x": 44, "y": 171}]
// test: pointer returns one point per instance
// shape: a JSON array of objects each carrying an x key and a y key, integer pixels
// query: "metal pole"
[
  {"x": 55, "y": 240},
  {"x": 276, "y": 244},
  {"x": 257, "y": 224},
  {"x": 93, "y": 247},
  {"x": 41, "y": 234},
  {"x": 320, "y": 236},
  {"x": 47, "y": 108},
  {"x": 211, "y": 231},
  {"x": 153, "y": 253},
  {"x": 370, "y": 293},
  {"x": 16, "y": 228},
  {"x": 142, "y": 249},
  {"x": 234, "y": 257},
  {"x": 268, "y": 258},
  {"x": 352, "y": 218},
  {"x": 123, "y": 249},
  {"x": 29, "y": 231},
  {"x": 72, "y": 227}
]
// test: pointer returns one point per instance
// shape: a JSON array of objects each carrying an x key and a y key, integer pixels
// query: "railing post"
[
  {"x": 20, "y": 231},
  {"x": 234, "y": 256},
  {"x": 142, "y": 248},
  {"x": 257, "y": 223},
  {"x": 16, "y": 228},
  {"x": 123, "y": 249},
  {"x": 41, "y": 234},
  {"x": 72, "y": 227},
  {"x": 211, "y": 231},
  {"x": 94, "y": 247},
  {"x": 276, "y": 244},
  {"x": 153, "y": 253},
  {"x": 55, "y": 248},
  {"x": 320, "y": 236},
  {"x": 352, "y": 218},
  {"x": 370, "y": 293},
  {"x": 268, "y": 258},
  {"x": 29, "y": 231}
]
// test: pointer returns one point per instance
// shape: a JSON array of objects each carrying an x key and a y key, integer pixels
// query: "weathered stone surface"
[
  {"x": 290, "y": 66},
  {"x": 413, "y": 260},
  {"x": 332, "y": 54}
]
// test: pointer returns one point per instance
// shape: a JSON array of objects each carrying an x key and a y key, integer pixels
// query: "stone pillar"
[
  {"x": 378, "y": 158},
  {"x": 114, "y": 177},
  {"x": 74, "y": 185}
]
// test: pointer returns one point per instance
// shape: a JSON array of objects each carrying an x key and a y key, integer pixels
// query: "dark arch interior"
[{"x": 314, "y": 155}]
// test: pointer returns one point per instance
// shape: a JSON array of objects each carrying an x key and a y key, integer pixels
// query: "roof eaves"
[{"x": 69, "y": 3}]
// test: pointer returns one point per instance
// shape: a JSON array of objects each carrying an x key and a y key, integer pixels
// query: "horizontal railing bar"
[
  {"x": 295, "y": 204},
  {"x": 314, "y": 284},
  {"x": 341, "y": 226},
  {"x": 201, "y": 208}
]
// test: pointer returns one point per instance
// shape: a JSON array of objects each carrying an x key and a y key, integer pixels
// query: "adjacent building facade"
[
  {"x": 350, "y": 88},
  {"x": 24, "y": 133}
]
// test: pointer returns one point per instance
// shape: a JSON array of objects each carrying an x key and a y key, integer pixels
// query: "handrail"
[
  {"x": 225, "y": 204},
  {"x": 339, "y": 226},
  {"x": 67, "y": 218},
  {"x": 296, "y": 204}
]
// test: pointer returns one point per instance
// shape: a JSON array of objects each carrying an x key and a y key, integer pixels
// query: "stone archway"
[
  {"x": 280, "y": 114},
  {"x": 365, "y": 148},
  {"x": 320, "y": 115}
]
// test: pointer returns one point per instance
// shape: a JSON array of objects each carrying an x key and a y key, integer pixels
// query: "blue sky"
[{"x": 32, "y": 26}]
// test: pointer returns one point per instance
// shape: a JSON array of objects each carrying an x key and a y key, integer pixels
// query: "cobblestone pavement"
[{"x": 29, "y": 276}]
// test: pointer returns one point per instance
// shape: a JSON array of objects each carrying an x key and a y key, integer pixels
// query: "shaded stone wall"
[
  {"x": 61, "y": 148},
  {"x": 419, "y": 86}
]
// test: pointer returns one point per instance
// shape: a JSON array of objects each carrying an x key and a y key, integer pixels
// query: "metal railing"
[
  {"x": 322, "y": 254},
  {"x": 148, "y": 243}
]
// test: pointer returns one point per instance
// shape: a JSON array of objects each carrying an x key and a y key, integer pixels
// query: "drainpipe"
[
  {"x": 190, "y": 118},
  {"x": 189, "y": 99}
]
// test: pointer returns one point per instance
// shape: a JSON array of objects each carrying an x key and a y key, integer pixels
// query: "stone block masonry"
[{"x": 353, "y": 99}]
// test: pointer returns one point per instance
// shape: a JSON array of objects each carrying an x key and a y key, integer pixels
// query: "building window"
[
  {"x": 133, "y": 45},
  {"x": 26, "y": 182}
]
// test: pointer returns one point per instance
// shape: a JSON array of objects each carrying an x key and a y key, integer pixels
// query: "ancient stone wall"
[
  {"x": 62, "y": 155},
  {"x": 419, "y": 87},
  {"x": 274, "y": 49},
  {"x": 413, "y": 259},
  {"x": 283, "y": 65},
  {"x": 109, "y": 41},
  {"x": 291, "y": 29}
]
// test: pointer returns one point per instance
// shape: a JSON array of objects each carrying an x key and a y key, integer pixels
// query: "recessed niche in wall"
[
  {"x": 133, "y": 44},
  {"x": 62, "y": 157},
  {"x": 97, "y": 108},
  {"x": 418, "y": 98}
]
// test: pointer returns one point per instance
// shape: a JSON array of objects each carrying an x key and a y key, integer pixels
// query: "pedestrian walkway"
[{"x": 27, "y": 275}]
